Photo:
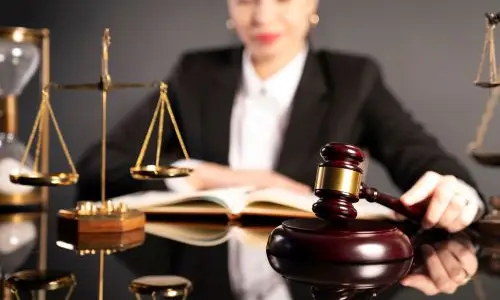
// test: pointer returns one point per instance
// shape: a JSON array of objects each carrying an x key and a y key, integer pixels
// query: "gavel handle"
[{"x": 415, "y": 212}]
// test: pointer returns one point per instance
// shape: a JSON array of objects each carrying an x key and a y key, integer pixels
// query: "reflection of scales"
[
  {"x": 108, "y": 216},
  {"x": 36, "y": 282}
]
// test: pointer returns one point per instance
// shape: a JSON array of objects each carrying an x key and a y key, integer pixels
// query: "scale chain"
[
  {"x": 483, "y": 53},
  {"x": 160, "y": 110},
  {"x": 45, "y": 108},
  {"x": 485, "y": 119},
  {"x": 33, "y": 131},
  {"x": 43, "y": 119},
  {"x": 174, "y": 123},
  {"x": 148, "y": 136}
]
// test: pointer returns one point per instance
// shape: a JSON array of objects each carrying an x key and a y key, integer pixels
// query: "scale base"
[{"x": 111, "y": 218}]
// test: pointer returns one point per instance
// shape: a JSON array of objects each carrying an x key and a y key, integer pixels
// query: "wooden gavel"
[
  {"x": 311, "y": 250},
  {"x": 338, "y": 185}
]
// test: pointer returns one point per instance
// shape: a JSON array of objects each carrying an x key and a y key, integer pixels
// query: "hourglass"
[{"x": 22, "y": 52}]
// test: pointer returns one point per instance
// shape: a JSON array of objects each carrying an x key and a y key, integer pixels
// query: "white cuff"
[{"x": 180, "y": 184}]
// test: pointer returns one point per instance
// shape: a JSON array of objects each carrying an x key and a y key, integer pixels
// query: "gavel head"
[{"x": 338, "y": 182}]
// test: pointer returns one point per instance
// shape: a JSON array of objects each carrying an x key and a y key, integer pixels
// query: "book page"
[
  {"x": 294, "y": 201},
  {"x": 231, "y": 199},
  {"x": 282, "y": 197}
]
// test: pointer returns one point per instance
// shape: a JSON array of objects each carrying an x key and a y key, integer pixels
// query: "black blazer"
[{"x": 341, "y": 97}]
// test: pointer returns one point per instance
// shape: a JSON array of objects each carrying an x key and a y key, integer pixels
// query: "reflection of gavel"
[{"x": 338, "y": 185}]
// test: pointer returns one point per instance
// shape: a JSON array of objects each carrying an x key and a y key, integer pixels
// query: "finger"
[
  {"x": 437, "y": 271},
  {"x": 465, "y": 218},
  {"x": 466, "y": 255},
  {"x": 440, "y": 199},
  {"x": 422, "y": 189},
  {"x": 452, "y": 265},
  {"x": 421, "y": 283},
  {"x": 453, "y": 211}
]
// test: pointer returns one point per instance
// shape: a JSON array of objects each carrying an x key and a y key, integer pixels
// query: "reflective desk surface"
[{"x": 207, "y": 261}]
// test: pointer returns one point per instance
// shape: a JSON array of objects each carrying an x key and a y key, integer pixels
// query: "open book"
[{"x": 239, "y": 201}]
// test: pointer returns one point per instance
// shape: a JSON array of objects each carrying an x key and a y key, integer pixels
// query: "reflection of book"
[
  {"x": 210, "y": 234},
  {"x": 238, "y": 202}
]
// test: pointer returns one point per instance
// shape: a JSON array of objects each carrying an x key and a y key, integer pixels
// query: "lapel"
[
  {"x": 217, "y": 107},
  {"x": 307, "y": 114}
]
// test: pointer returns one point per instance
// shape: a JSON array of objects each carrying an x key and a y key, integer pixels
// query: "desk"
[{"x": 205, "y": 267}]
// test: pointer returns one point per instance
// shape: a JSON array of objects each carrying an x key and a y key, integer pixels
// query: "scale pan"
[
  {"x": 487, "y": 84},
  {"x": 39, "y": 179},
  {"x": 150, "y": 172},
  {"x": 487, "y": 159}
]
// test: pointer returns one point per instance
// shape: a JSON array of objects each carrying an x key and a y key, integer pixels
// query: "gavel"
[
  {"x": 338, "y": 185},
  {"x": 336, "y": 235}
]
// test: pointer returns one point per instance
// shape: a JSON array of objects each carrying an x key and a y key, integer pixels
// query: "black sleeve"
[
  {"x": 395, "y": 139},
  {"x": 123, "y": 147}
]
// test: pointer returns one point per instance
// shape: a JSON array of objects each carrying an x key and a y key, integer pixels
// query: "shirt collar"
[{"x": 281, "y": 86}]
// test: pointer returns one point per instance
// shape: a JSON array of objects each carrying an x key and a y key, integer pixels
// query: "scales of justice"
[
  {"x": 107, "y": 216},
  {"x": 492, "y": 83}
]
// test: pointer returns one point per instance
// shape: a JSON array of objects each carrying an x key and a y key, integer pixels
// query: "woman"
[{"x": 258, "y": 114}]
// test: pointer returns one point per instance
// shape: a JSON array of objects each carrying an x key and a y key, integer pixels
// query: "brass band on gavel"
[{"x": 338, "y": 179}]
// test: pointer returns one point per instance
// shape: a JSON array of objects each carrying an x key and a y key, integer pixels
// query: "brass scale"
[{"x": 108, "y": 209}]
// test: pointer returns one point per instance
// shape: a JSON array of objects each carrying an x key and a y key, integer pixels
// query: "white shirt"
[
  {"x": 259, "y": 117},
  {"x": 258, "y": 120}
]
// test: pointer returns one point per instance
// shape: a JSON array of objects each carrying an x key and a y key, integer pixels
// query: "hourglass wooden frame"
[
  {"x": 41, "y": 39},
  {"x": 107, "y": 216},
  {"x": 493, "y": 84}
]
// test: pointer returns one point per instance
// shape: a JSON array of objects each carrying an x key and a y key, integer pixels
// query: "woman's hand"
[
  {"x": 448, "y": 266},
  {"x": 211, "y": 176},
  {"x": 453, "y": 205}
]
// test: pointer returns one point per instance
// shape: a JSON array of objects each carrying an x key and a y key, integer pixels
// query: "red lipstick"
[{"x": 267, "y": 38}]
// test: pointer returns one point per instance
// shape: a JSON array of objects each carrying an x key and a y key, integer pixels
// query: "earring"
[
  {"x": 229, "y": 24},
  {"x": 314, "y": 19}
]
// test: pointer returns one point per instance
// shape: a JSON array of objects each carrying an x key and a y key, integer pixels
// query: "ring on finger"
[
  {"x": 466, "y": 280},
  {"x": 459, "y": 199},
  {"x": 467, "y": 277}
]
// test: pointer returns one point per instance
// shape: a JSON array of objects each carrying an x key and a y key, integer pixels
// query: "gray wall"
[{"x": 429, "y": 51}]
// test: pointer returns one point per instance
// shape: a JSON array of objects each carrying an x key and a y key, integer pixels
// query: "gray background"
[{"x": 429, "y": 51}]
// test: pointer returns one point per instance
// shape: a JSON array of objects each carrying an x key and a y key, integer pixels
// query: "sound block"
[
  {"x": 490, "y": 224},
  {"x": 87, "y": 217},
  {"x": 355, "y": 242},
  {"x": 92, "y": 243}
]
